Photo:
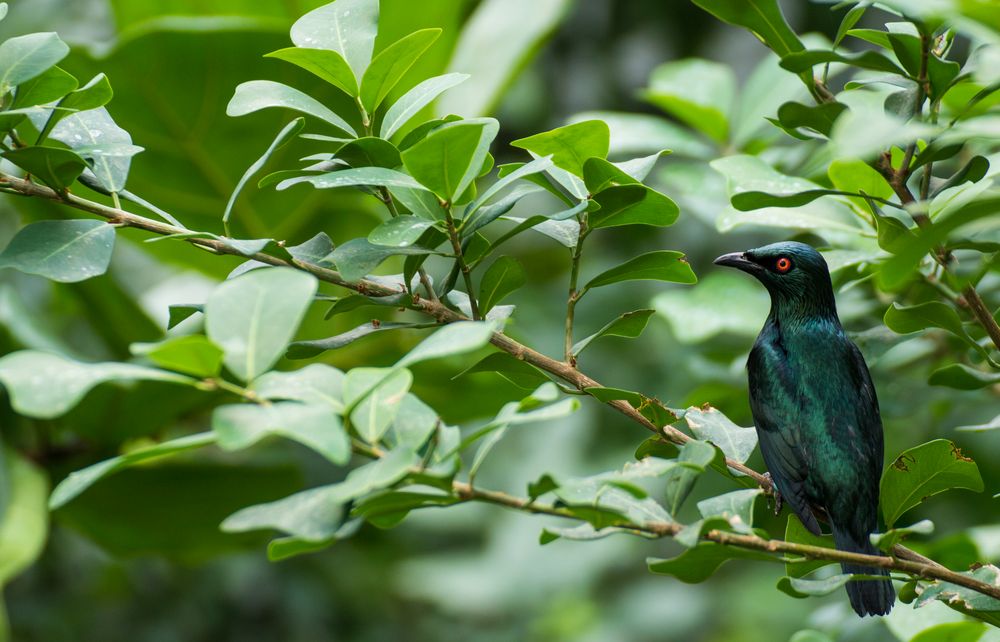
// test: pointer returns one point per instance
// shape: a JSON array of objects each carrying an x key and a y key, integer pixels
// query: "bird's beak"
[{"x": 737, "y": 260}]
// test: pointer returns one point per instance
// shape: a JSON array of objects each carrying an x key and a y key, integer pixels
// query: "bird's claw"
[{"x": 775, "y": 494}]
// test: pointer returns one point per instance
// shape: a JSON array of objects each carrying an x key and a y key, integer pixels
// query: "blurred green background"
[{"x": 140, "y": 557}]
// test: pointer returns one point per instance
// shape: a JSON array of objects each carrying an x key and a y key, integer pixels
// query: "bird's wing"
[{"x": 770, "y": 398}]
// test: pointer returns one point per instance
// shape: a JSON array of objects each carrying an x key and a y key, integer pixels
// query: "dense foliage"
[{"x": 397, "y": 225}]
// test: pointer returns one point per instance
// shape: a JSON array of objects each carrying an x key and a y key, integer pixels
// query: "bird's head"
[{"x": 795, "y": 274}]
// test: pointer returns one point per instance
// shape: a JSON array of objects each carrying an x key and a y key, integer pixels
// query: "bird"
[{"x": 815, "y": 410}]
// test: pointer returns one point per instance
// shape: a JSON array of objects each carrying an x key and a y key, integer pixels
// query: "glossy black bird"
[{"x": 815, "y": 409}]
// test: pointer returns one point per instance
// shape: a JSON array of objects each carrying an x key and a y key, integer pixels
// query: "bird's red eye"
[{"x": 783, "y": 265}]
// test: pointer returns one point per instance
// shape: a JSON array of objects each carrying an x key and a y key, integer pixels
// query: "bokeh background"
[{"x": 140, "y": 556}]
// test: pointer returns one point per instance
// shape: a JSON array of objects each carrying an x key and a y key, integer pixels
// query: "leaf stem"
[
  {"x": 390, "y": 205},
  {"x": 456, "y": 245},
  {"x": 574, "y": 293}
]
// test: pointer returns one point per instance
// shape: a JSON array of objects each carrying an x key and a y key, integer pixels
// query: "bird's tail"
[{"x": 868, "y": 597}]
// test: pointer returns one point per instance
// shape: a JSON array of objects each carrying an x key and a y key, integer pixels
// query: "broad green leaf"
[
  {"x": 887, "y": 540},
  {"x": 55, "y": 166},
  {"x": 323, "y": 63},
  {"x": 819, "y": 118},
  {"x": 96, "y": 93},
  {"x": 502, "y": 278},
  {"x": 316, "y": 383},
  {"x": 410, "y": 104},
  {"x": 521, "y": 374},
  {"x": 253, "y": 317},
  {"x": 309, "y": 349},
  {"x": 647, "y": 134},
  {"x": 804, "y": 61},
  {"x": 64, "y": 251},
  {"x": 663, "y": 265},
  {"x": 923, "y": 471},
  {"x": 711, "y": 425},
  {"x": 570, "y": 146},
  {"x": 799, "y": 587},
  {"x": 449, "y": 159},
  {"x": 528, "y": 169},
  {"x": 345, "y": 26},
  {"x": 370, "y": 152},
  {"x": 401, "y": 231},
  {"x": 736, "y": 507},
  {"x": 355, "y": 177},
  {"x": 853, "y": 175},
  {"x": 762, "y": 17},
  {"x": 453, "y": 339},
  {"x": 358, "y": 257},
  {"x": 255, "y": 95},
  {"x": 44, "y": 385},
  {"x": 932, "y": 314},
  {"x": 316, "y": 514},
  {"x": 811, "y": 635},
  {"x": 696, "y": 456},
  {"x": 962, "y": 377},
  {"x": 24, "y": 525},
  {"x": 45, "y": 88},
  {"x": 629, "y": 325},
  {"x": 25, "y": 57},
  {"x": 388, "y": 68},
  {"x": 697, "y": 314},
  {"x": 632, "y": 205},
  {"x": 495, "y": 44},
  {"x": 193, "y": 355},
  {"x": 375, "y": 413},
  {"x": 962, "y": 598},
  {"x": 699, "y": 563},
  {"x": 182, "y": 311},
  {"x": 600, "y": 173},
  {"x": 317, "y": 426},
  {"x": 866, "y": 128},
  {"x": 81, "y": 480},
  {"x": 414, "y": 424},
  {"x": 287, "y": 133},
  {"x": 697, "y": 92}
]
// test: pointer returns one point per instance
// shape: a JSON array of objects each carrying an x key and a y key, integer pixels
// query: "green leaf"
[
  {"x": 255, "y": 95},
  {"x": 316, "y": 514},
  {"x": 697, "y": 314},
  {"x": 358, "y": 257},
  {"x": 502, "y": 278},
  {"x": 178, "y": 312},
  {"x": 25, "y": 57},
  {"x": 518, "y": 372},
  {"x": 762, "y": 17},
  {"x": 629, "y": 325},
  {"x": 348, "y": 27},
  {"x": 804, "y": 61},
  {"x": 377, "y": 410},
  {"x": 887, "y": 540},
  {"x": 309, "y": 349},
  {"x": 528, "y": 169},
  {"x": 254, "y": 316},
  {"x": 414, "y": 424},
  {"x": 94, "y": 94},
  {"x": 697, "y": 92},
  {"x": 57, "y": 167},
  {"x": 410, "y": 104},
  {"x": 932, "y": 314},
  {"x": 964, "y": 599},
  {"x": 962, "y": 377},
  {"x": 370, "y": 152},
  {"x": 695, "y": 456},
  {"x": 496, "y": 43},
  {"x": 632, "y": 205},
  {"x": 798, "y": 587},
  {"x": 853, "y": 175},
  {"x": 819, "y": 118},
  {"x": 388, "y": 68},
  {"x": 323, "y": 63},
  {"x": 25, "y": 520},
  {"x": 797, "y": 565},
  {"x": 316, "y": 383},
  {"x": 663, "y": 265},
  {"x": 287, "y": 133},
  {"x": 317, "y": 426},
  {"x": 453, "y": 339},
  {"x": 570, "y": 146},
  {"x": 401, "y": 231},
  {"x": 64, "y": 251},
  {"x": 699, "y": 563},
  {"x": 45, "y": 88},
  {"x": 194, "y": 355},
  {"x": 355, "y": 177},
  {"x": 711, "y": 425},
  {"x": 735, "y": 507},
  {"x": 387, "y": 509},
  {"x": 81, "y": 480},
  {"x": 448, "y": 160},
  {"x": 923, "y": 471}
]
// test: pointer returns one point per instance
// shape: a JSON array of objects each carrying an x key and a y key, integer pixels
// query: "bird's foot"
[{"x": 775, "y": 494}]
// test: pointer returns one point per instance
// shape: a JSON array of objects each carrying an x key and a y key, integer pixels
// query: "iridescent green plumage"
[{"x": 815, "y": 409}]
